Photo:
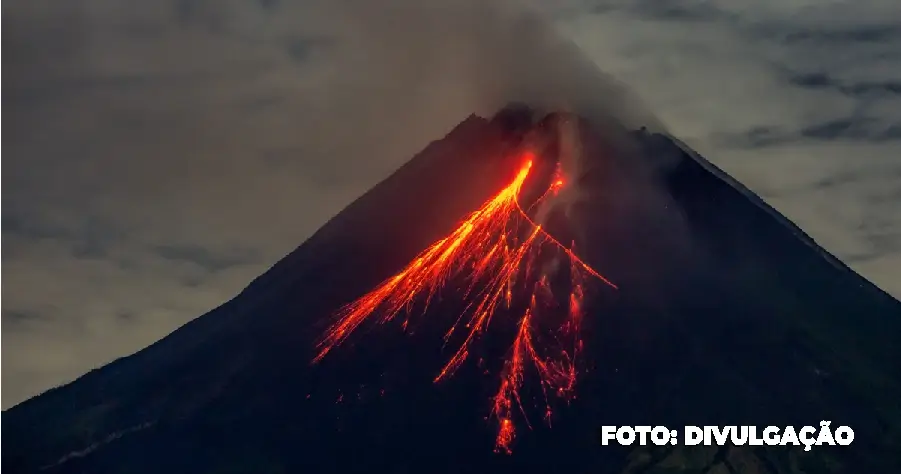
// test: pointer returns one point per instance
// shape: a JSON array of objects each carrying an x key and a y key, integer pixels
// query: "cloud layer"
[{"x": 161, "y": 155}]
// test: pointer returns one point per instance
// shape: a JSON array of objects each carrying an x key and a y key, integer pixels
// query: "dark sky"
[{"x": 162, "y": 154}]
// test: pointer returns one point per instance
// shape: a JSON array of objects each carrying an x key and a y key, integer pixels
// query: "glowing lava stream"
[{"x": 488, "y": 247}]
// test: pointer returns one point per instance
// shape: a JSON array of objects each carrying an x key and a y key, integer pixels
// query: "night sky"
[{"x": 162, "y": 154}]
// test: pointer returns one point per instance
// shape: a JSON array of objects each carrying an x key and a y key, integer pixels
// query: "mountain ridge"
[
  {"x": 249, "y": 358},
  {"x": 761, "y": 203}
]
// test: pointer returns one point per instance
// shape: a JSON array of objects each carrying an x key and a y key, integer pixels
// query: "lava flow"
[{"x": 497, "y": 250}]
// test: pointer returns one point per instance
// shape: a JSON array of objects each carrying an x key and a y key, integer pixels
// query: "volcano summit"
[{"x": 487, "y": 308}]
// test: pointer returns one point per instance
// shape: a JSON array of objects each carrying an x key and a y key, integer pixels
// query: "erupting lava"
[{"x": 497, "y": 249}]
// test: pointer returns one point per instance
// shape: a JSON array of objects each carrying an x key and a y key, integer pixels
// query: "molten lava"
[{"x": 497, "y": 250}]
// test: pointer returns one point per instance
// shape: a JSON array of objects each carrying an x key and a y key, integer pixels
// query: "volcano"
[{"x": 487, "y": 308}]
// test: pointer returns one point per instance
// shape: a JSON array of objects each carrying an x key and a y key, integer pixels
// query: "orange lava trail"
[{"x": 487, "y": 247}]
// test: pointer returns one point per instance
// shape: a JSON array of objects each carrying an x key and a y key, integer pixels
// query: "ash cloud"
[{"x": 437, "y": 62}]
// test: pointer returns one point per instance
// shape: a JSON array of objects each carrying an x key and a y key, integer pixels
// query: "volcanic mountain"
[{"x": 516, "y": 285}]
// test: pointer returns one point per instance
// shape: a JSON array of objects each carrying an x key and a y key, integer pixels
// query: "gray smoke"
[
  {"x": 457, "y": 57},
  {"x": 445, "y": 59}
]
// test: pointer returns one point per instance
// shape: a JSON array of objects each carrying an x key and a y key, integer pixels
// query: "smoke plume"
[{"x": 435, "y": 62}]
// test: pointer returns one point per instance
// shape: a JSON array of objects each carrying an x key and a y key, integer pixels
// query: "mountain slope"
[{"x": 725, "y": 314}]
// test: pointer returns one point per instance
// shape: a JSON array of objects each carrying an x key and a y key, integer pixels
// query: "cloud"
[
  {"x": 165, "y": 153},
  {"x": 203, "y": 258},
  {"x": 799, "y": 100}
]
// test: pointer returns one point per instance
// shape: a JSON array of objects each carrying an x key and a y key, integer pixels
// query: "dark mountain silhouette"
[{"x": 725, "y": 313}]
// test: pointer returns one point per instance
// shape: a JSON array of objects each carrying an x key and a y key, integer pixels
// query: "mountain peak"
[{"x": 561, "y": 273}]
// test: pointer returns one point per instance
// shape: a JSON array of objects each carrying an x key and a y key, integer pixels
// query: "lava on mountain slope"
[{"x": 508, "y": 260}]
